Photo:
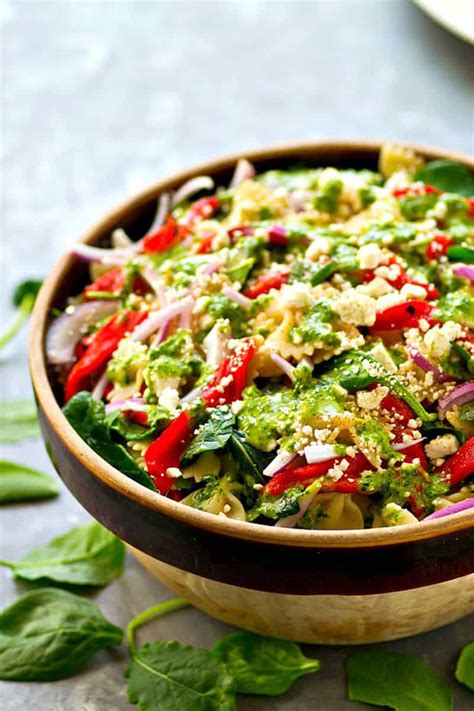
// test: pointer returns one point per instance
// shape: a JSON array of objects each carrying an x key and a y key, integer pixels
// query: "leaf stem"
[
  {"x": 152, "y": 613},
  {"x": 6, "y": 564},
  {"x": 24, "y": 311}
]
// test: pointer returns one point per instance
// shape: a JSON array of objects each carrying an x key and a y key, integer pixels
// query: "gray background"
[{"x": 101, "y": 98}]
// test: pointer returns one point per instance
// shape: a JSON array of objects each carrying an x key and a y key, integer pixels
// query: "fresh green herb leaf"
[
  {"x": 130, "y": 431},
  {"x": 466, "y": 412},
  {"x": 456, "y": 306},
  {"x": 275, "y": 507},
  {"x": 24, "y": 297},
  {"x": 166, "y": 676},
  {"x": 459, "y": 253},
  {"x": 213, "y": 434},
  {"x": 49, "y": 634},
  {"x": 465, "y": 667},
  {"x": 88, "y": 418},
  {"x": 400, "y": 681},
  {"x": 262, "y": 665},
  {"x": 18, "y": 421},
  {"x": 251, "y": 461},
  {"x": 87, "y": 555},
  {"x": 447, "y": 175},
  {"x": 20, "y": 483}
]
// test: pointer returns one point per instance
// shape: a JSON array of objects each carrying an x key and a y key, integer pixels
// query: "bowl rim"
[{"x": 113, "y": 478}]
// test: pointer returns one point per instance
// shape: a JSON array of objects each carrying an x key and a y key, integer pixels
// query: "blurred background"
[{"x": 100, "y": 99}]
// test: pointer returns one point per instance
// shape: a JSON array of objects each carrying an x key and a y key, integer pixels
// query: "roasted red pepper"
[
  {"x": 438, "y": 246},
  {"x": 202, "y": 210},
  {"x": 309, "y": 472},
  {"x": 278, "y": 235},
  {"x": 205, "y": 245},
  {"x": 470, "y": 206},
  {"x": 410, "y": 190},
  {"x": 460, "y": 465},
  {"x": 406, "y": 315},
  {"x": 111, "y": 282},
  {"x": 100, "y": 349},
  {"x": 265, "y": 282},
  {"x": 164, "y": 237},
  {"x": 226, "y": 386},
  {"x": 401, "y": 414},
  {"x": 167, "y": 450}
]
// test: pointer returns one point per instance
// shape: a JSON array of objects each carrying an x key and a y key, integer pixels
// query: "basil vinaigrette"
[{"x": 293, "y": 349}]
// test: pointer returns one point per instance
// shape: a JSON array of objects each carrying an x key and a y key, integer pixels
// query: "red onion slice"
[
  {"x": 214, "y": 266},
  {"x": 237, "y": 297},
  {"x": 281, "y": 460},
  {"x": 192, "y": 395},
  {"x": 244, "y": 170},
  {"x": 108, "y": 257},
  {"x": 136, "y": 404},
  {"x": 316, "y": 453},
  {"x": 162, "y": 211},
  {"x": 453, "y": 509},
  {"x": 284, "y": 366},
  {"x": 426, "y": 366},
  {"x": 465, "y": 270},
  {"x": 459, "y": 396},
  {"x": 305, "y": 502},
  {"x": 158, "y": 318},
  {"x": 99, "y": 389},
  {"x": 156, "y": 283},
  {"x": 298, "y": 199},
  {"x": 67, "y": 330},
  {"x": 400, "y": 446},
  {"x": 215, "y": 344},
  {"x": 191, "y": 187}
]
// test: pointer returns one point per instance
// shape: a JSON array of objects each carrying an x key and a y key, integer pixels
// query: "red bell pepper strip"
[
  {"x": 278, "y": 235},
  {"x": 167, "y": 450},
  {"x": 470, "y": 206},
  {"x": 226, "y": 386},
  {"x": 410, "y": 190},
  {"x": 438, "y": 246},
  {"x": 164, "y": 237},
  {"x": 202, "y": 210},
  {"x": 460, "y": 465},
  {"x": 265, "y": 283},
  {"x": 401, "y": 414},
  {"x": 205, "y": 245},
  {"x": 406, "y": 315},
  {"x": 99, "y": 351},
  {"x": 309, "y": 472},
  {"x": 111, "y": 282}
]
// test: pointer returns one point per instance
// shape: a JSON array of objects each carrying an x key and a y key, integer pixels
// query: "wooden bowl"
[{"x": 330, "y": 587}]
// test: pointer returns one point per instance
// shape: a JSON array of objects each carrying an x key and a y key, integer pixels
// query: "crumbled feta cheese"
[
  {"x": 413, "y": 291},
  {"x": 375, "y": 288},
  {"x": 318, "y": 247},
  {"x": 381, "y": 354},
  {"x": 295, "y": 295},
  {"x": 371, "y": 399},
  {"x": 442, "y": 446},
  {"x": 174, "y": 472},
  {"x": 437, "y": 343},
  {"x": 169, "y": 398},
  {"x": 356, "y": 308},
  {"x": 370, "y": 256}
]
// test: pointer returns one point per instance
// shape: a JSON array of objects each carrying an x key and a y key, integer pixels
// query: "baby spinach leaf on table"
[
  {"x": 20, "y": 483},
  {"x": 465, "y": 667},
  {"x": 87, "y": 555},
  {"x": 49, "y": 634},
  {"x": 213, "y": 434},
  {"x": 18, "y": 421},
  {"x": 262, "y": 665},
  {"x": 400, "y": 681},
  {"x": 165, "y": 676},
  {"x": 24, "y": 297},
  {"x": 447, "y": 175},
  {"x": 88, "y": 418}
]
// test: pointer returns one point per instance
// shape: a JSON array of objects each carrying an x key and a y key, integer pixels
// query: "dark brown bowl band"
[{"x": 121, "y": 503}]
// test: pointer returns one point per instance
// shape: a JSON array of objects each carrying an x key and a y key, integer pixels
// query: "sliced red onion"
[
  {"x": 215, "y": 344},
  {"x": 136, "y": 404},
  {"x": 99, "y": 389},
  {"x": 195, "y": 185},
  {"x": 214, "y": 266},
  {"x": 244, "y": 170},
  {"x": 459, "y": 396},
  {"x": 162, "y": 211},
  {"x": 426, "y": 366},
  {"x": 157, "y": 318},
  {"x": 67, "y": 330},
  {"x": 185, "y": 318},
  {"x": 156, "y": 283},
  {"x": 400, "y": 446},
  {"x": 465, "y": 270},
  {"x": 240, "y": 231},
  {"x": 237, "y": 297},
  {"x": 162, "y": 334},
  {"x": 192, "y": 395},
  {"x": 453, "y": 509},
  {"x": 305, "y": 502},
  {"x": 282, "y": 459},
  {"x": 108, "y": 257},
  {"x": 316, "y": 453},
  {"x": 284, "y": 365}
]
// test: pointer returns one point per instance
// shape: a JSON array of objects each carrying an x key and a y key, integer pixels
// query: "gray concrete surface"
[{"x": 99, "y": 99}]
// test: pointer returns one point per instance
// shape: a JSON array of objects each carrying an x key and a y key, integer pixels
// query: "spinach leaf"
[
  {"x": 275, "y": 507},
  {"x": 213, "y": 434},
  {"x": 465, "y": 667},
  {"x": 447, "y": 175},
  {"x": 87, "y": 555},
  {"x": 168, "y": 676},
  {"x": 88, "y": 418},
  {"x": 458, "y": 253},
  {"x": 49, "y": 634},
  {"x": 251, "y": 461},
  {"x": 23, "y": 298},
  {"x": 127, "y": 429},
  {"x": 18, "y": 421},
  {"x": 262, "y": 665},
  {"x": 400, "y": 681},
  {"x": 20, "y": 483}
]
